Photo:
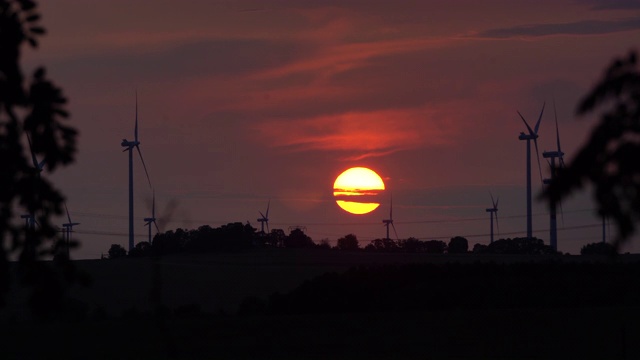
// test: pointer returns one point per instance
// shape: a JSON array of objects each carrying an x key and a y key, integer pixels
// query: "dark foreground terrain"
[{"x": 330, "y": 305}]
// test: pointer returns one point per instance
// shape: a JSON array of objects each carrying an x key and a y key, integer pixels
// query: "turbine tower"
[
  {"x": 129, "y": 145},
  {"x": 493, "y": 211},
  {"x": 389, "y": 221},
  {"x": 68, "y": 227},
  {"x": 152, "y": 219},
  {"x": 264, "y": 218},
  {"x": 532, "y": 135},
  {"x": 553, "y": 226}
]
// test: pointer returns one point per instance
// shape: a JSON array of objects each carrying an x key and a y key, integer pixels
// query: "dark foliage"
[
  {"x": 32, "y": 110},
  {"x": 231, "y": 237},
  {"x": 348, "y": 242},
  {"x": 382, "y": 245},
  {"x": 458, "y": 245},
  {"x": 519, "y": 246},
  {"x": 116, "y": 251},
  {"x": 298, "y": 239},
  {"x": 598, "y": 248},
  {"x": 435, "y": 246},
  {"x": 609, "y": 159}
]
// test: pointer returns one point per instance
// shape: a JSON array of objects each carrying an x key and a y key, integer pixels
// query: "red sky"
[{"x": 245, "y": 101}]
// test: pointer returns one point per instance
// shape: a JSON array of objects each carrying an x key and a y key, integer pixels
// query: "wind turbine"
[
  {"x": 152, "y": 219},
  {"x": 129, "y": 145},
  {"x": 553, "y": 228},
  {"x": 532, "y": 135},
  {"x": 493, "y": 211},
  {"x": 264, "y": 218},
  {"x": 30, "y": 220},
  {"x": 38, "y": 166},
  {"x": 389, "y": 221},
  {"x": 68, "y": 228}
]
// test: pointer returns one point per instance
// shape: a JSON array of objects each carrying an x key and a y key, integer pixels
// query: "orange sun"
[{"x": 357, "y": 189}]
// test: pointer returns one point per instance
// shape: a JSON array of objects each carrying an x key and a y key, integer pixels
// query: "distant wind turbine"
[
  {"x": 68, "y": 228},
  {"x": 152, "y": 219},
  {"x": 30, "y": 220},
  {"x": 532, "y": 135},
  {"x": 493, "y": 212},
  {"x": 389, "y": 221},
  {"x": 553, "y": 228},
  {"x": 38, "y": 166},
  {"x": 129, "y": 145},
  {"x": 264, "y": 218}
]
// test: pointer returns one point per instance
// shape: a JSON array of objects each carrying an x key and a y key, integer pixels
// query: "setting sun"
[{"x": 356, "y": 190}]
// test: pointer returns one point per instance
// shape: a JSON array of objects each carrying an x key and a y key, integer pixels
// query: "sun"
[{"x": 356, "y": 190}]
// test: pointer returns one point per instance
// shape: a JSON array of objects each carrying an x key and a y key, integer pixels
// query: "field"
[{"x": 210, "y": 287}]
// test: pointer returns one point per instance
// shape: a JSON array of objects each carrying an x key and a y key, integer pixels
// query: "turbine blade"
[
  {"x": 495, "y": 206},
  {"x": 153, "y": 205},
  {"x": 41, "y": 164},
  {"x": 394, "y": 230},
  {"x": 497, "y": 225},
  {"x": 135, "y": 131},
  {"x": 525, "y": 122},
  {"x": 261, "y": 214},
  {"x": 268, "y": 204},
  {"x": 492, "y": 201},
  {"x": 33, "y": 155},
  {"x": 268, "y": 231},
  {"x": 539, "y": 118},
  {"x": 535, "y": 142},
  {"x": 157, "y": 228},
  {"x": 557, "y": 131},
  {"x": 68, "y": 216},
  {"x": 144, "y": 166}
]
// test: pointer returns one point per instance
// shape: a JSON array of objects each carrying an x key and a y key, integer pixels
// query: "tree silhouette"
[
  {"x": 116, "y": 251},
  {"x": 298, "y": 239},
  {"x": 31, "y": 112},
  {"x": 599, "y": 248},
  {"x": 458, "y": 245},
  {"x": 348, "y": 242},
  {"x": 609, "y": 159}
]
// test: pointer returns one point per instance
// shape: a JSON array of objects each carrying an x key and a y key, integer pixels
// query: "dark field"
[{"x": 479, "y": 307}]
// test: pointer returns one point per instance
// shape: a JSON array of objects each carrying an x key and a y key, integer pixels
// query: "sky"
[{"x": 245, "y": 102}]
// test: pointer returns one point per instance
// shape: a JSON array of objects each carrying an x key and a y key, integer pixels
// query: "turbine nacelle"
[
  {"x": 524, "y": 136},
  {"x": 552, "y": 154}
]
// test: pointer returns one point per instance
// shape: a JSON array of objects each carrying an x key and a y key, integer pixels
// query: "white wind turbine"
[
  {"x": 68, "y": 228},
  {"x": 553, "y": 226},
  {"x": 129, "y": 145},
  {"x": 389, "y": 221},
  {"x": 264, "y": 218},
  {"x": 152, "y": 219},
  {"x": 493, "y": 212},
  {"x": 532, "y": 135}
]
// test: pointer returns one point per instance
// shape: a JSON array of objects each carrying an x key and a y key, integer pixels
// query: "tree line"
[{"x": 242, "y": 237}]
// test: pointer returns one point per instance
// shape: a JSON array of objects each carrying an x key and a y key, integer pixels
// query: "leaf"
[{"x": 37, "y": 30}]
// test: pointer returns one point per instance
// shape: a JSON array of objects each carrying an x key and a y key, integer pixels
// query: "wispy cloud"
[
  {"x": 586, "y": 27},
  {"x": 361, "y": 134}
]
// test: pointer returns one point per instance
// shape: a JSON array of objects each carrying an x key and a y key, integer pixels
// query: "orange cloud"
[{"x": 364, "y": 134}]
